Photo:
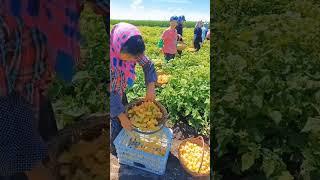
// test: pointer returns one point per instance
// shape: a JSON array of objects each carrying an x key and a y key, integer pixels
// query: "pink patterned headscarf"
[{"x": 122, "y": 72}]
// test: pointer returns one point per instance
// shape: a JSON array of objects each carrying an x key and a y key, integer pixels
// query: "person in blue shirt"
[
  {"x": 204, "y": 31},
  {"x": 181, "y": 20},
  {"x": 197, "y": 36}
]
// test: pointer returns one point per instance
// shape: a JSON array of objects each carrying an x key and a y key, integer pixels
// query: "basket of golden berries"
[
  {"x": 147, "y": 117},
  {"x": 194, "y": 156}
]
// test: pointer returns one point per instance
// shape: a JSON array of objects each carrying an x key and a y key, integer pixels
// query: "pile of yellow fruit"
[
  {"x": 163, "y": 79},
  {"x": 152, "y": 147},
  {"x": 85, "y": 160},
  {"x": 145, "y": 116},
  {"x": 181, "y": 46},
  {"x": 191, "y": 49},
  {"x": 191, "y": 155},
  {"x": 153, "y": 144}
]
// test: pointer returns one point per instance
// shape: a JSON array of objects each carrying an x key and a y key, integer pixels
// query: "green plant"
[
  {"x": 186, "y": 96},
  {"x": 266, "y": 106},
  {"x": 87, "y": 92},
  {"x": 149, "y": 23}
]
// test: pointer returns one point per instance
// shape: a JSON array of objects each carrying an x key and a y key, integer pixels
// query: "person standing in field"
[
  {"x": 169, "y": 38},
  {"x": 208, "y": 35},
  {"x": 38, "y": 41},
  {"x": 179, "y": 28},
  {"x": 204, "y": 31},
  {"x": 197, "y": 36},
  {"x": 127, "y": 49}
]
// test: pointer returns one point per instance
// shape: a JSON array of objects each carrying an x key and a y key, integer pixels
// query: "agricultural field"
[
  {"x": 266, "y": 97},
  {"x": 151, "y": 23},
  {"x": 87, "y": 92},
  {"x": 187, "y": 94}
]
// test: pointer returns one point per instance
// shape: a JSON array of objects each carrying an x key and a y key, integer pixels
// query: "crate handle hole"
[{"x": 138, "y": 164}]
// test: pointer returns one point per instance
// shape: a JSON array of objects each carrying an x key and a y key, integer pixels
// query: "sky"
[{"x": 193, "y": 10}]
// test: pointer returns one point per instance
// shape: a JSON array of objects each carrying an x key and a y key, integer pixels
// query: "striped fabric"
[
  {"x": 39, "y": 39},
  {"x": 24, "y": 67}
]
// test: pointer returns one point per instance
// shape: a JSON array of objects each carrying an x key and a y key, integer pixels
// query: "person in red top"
[{"x": 169, "y": 38}]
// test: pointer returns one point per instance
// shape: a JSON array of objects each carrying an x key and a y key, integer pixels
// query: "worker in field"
[
  {"x": 208, "y": 35},
  {"x": 169, "y": 38},
  {"x": 197, "y": 35},
  {"x": 38, "y": 40},
  {"x": 181, "y": 20},
  {"x": 127, "y": 49},
  {"x": 204, "y": 31}
]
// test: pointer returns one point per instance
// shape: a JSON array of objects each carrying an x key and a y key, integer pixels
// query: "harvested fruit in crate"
[
  {"x": 191, "y": 155},
  {"x": 145, "y": 116},
  {"x": 126, "y": 145},
  {"x": 152, "y": 148},
  {"x": 85, "y": 160},
  {"x": 152, "y": 145}
]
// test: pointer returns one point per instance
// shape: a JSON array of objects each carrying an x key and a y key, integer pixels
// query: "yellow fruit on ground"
[
  {"x": 191, "y": 49},
  {"x": 163, "y": 79},
  {"x": 191, "y": 155}
]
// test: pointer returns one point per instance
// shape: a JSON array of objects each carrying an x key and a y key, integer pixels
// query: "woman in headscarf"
[
  {"x": 126, "y": 50},
  {"x": 38, "y": 40},
  {"x": 197, "y": 36}
]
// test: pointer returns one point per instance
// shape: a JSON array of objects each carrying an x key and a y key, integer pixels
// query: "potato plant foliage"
[
  {"x": 87, "y": 92},
  {"x": 266, "y": 89},
  {"x": 187, "y": 94}
]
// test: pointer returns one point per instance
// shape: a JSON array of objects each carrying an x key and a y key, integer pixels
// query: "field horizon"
[{"x": 151, "y": 23}]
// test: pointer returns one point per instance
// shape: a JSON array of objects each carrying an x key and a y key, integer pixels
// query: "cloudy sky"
[{"x": 193, "y": 10}]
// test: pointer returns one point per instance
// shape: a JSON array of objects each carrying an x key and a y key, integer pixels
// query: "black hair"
[{"x": 134, "y": 46}]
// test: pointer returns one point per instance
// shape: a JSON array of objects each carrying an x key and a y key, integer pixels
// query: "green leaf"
[
  {"x": 313, "y": 124},
  {"x": 268, "y": 167},
  {"x": 247, "y": 160},
  {"x": 264, "y": 83},
  {"x": 257, "y": 100},
  {"x": 55, "y": 91},
  {"x": 187, "y": 112},
  {"x": 285, "y": 175},
  {"x": 237, "y": 62},
  {"x": 81, "y": 75},
  {"x": 317, "y": 96},
  {"x": 230, "y": 97},
  {"x": 276, "y": 116}
]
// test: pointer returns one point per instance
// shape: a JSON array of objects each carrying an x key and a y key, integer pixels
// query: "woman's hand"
[
  {"x": 125, "y": 121},
  {"x": 151, "y": 92}
]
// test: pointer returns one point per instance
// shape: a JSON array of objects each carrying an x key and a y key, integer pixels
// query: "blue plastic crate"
[{"x": 131, "y": 156}]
